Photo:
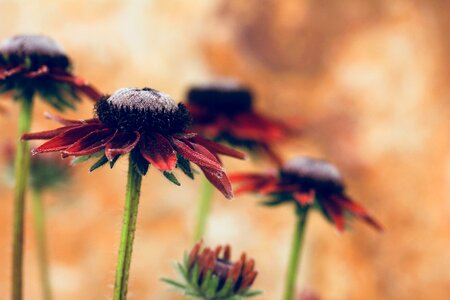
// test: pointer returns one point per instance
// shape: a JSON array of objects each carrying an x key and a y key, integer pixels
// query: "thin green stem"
[
  {"x": 293, "y": 266},
  {"x": 204, "y": 206},
  {"x": 41, "y": 244},
  {"x": 22, "y": 165},
  {"x": 128, "y": 230}
]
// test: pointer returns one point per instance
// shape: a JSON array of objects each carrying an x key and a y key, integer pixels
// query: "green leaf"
[
  {"x": 194, "y": 275},
  {"x": 206, "y": 280},
  {"x": 139, "y": 162},
  {"x": 171, "y": 177},
  {"x": 212, "y": 287},
  {"x": 102, "y": 161},
  {"x": 227, "y": 288},
  {"x": 185, "y": 166},
  {"x": 84, "y": 158},
  {"x": 113, "y": 161},
  {"x": 275, "y": 201},
  {"x": 173, "y": 283},
  {"x": 249, "y": 294}
]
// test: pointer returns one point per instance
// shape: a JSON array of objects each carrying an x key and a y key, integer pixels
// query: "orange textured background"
[{"x": 370, "y": 80}]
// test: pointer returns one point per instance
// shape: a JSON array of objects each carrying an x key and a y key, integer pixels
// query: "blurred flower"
[
  {"x": 210, "y": 274},
  {"x": 147, "y": 124},
  {"x": 307, "y": 182},
  {"x": 46, "y": 172},
  {"x": 35, "y": 63},
  {"x": 307, "y": 294},
  {"x": 224, "y": 112}
]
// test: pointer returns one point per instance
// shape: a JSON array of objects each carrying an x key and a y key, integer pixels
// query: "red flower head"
[
  {"x": 210, "y": 274},
  {"x": 35, "y": 63},
  {"x": 224, "y": 112},
  {"x": 307, "y": 182},
  {"x": 147, "y": 124}
]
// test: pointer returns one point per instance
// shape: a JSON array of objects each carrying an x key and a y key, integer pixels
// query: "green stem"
[
  {"x": 22, "y": 165},
  {"x": 39, "y": 226},
  {"x": 128, "y": 229},
  {"x": 292, "y": 271},
  {"x": 203, "y": 209}
]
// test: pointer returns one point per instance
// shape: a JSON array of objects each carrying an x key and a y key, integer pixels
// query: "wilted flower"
[
  {"x": 224, "y": 112},
  {"x": 210, "y": 274},
  {"x": 307, "y": 182},
  {"x": 149, "y": 125},
  {"x": 35, "y": 63}
]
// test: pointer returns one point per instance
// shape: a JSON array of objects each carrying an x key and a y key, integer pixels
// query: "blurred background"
[{"x": 368, "y": 78}]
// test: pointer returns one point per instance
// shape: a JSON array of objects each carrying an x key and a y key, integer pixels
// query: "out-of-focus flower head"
[
  {"x": 308, "y": 183},
  {"x": 150, "y": 126},
  {"x": 46, "y": 172},
  {"x": 211, "y": 274},
  {"x": 32, "y": 64},
  {"x": 224, "y": 111}
]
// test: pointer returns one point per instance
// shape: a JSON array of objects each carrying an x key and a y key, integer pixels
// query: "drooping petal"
[
  {"x": 10, "y": 72},
  {"x": 64, "y": 121},
  {"x": 39, "y": 72},
  {"x": 91, "y": 143},
  {"x": 194, "y": 156},
  {"x": 220, "y": 180},
  {"x": 122, "y": 143},
  {"x": 48, "y": 134},
  {"x": 158, "y": 151},
  {"x": 78, "y": 83},
  {"x": 305, "y": 198},
  {"x": 335, "y": 212},
  {"x": 218, "y": 148},
  {"x": 67, "y": 138},
  {"x": 357, "y": 210}
]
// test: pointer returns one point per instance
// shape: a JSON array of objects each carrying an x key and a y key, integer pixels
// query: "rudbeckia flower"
[
  {"x": 211, "y": 274},
  {"x": 36, "y": 63},
  {"x": 224, "y": 111},
  {"x": 308, "y": 183},
  {"x": 149, "y": 125}
]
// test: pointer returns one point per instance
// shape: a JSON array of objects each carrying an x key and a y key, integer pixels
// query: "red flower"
[
  {"x": 308, "y": 183},
  {"x": 147, "y": 124},
  {"x": 34, "y": 63},
  {"x": 224, "y": 112}
]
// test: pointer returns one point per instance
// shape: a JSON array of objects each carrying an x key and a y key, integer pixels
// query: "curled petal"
[
  {"x": 218, "y": 148},
  {"x": 194, "y": 156},
  {"x": 158, "y": 151},
  {"x": 78, "y": 83},
  {"x": 48, "y": 134},
  {"x": 67, "y": 138},
  {"x": 122, "y": 143},
  {"x": 91, "y": 143},
  {"x": 39, "y": 72},
  {"x": 220, "y": 180}
]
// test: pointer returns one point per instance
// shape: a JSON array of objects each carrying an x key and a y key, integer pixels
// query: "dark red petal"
[
  {"x": 335, "y": 212},
  {"x": 237, "y": 177},
  {"x": 357, "y": 210},
  {"x": 272, "y": 154},
  {"x": 78, "y": 83},
  {"x": 275, "y": 187},
  {"x": 39, "y": 72},
  {"x": 10, "y": 72},
  {"x": 305, "y": 198},
  {"x": 48, "y": 134},
  {"x": 194, "y": 156},
  {"x": 220, "y": 180},
  {"x": 122, "y": 143},
  {"x": 158, "y": 151},
  {"x": 67, "y": 138},
  {"x": 64, "y": 121},
  {"x": 91, "y": 143},
  {"x": 218, "y": 148}
]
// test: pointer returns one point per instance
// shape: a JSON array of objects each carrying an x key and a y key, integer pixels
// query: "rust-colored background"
[{"x": 370, "y": 80}]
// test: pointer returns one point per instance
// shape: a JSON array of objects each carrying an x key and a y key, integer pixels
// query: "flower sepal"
[{"x": 207, "y": 275}]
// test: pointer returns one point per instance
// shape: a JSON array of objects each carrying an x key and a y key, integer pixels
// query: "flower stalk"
[
  {"x": 204, "y": 206},
  {"x": 128, "y": 231},
  {"x": 22, "y": 165},
  {"x": 294, "y": 260},
  {"x": 39, "y": 227}
]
